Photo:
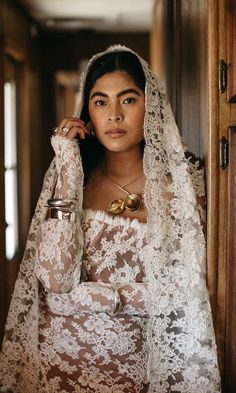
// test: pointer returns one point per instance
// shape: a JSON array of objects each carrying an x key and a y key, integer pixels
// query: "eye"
[
  {"x": 100, "y": 102},
  {"x": 129, "y": 100}
]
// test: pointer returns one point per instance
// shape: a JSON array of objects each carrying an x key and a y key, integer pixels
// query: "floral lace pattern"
[
  {"x": 165, "y": 326},
  {"x": 86, "y": 347},
  {"x": 69, "y": 168}
]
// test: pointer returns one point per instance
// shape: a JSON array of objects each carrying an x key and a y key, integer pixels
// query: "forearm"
[
  {"x": 69, "y": 168},
  {"x": 58, "y": 254},
  {"x": 133, "y": 297},
  {"x": 94, "y": 297},
  {"x": 60, "y": 240}
]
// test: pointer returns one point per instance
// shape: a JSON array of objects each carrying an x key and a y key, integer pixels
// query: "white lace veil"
[{"x": 180, "y": 335}]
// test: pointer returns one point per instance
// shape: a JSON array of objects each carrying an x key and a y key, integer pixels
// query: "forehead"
[{"x": 115, "y": 80}]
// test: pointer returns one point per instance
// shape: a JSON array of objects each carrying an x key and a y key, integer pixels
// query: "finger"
[
  {"x": 70, "y": 121},
  {"x": 72, "y": 134},
  {"x": 67, "y": 123},
  {"x": 78, "y": 132}
]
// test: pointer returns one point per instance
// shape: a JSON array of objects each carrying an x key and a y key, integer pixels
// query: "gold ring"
[{"x": 65, "y": 130}]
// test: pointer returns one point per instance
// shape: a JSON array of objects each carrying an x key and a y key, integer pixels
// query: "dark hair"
[{"x": 91, "y": 149}]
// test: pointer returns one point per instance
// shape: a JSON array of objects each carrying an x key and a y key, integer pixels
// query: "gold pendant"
[
  {"x": 116, "y": 206},
  {"x": 132, "y": 202}
]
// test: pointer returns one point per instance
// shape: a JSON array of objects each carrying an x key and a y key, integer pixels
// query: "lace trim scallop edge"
[{"x": 102, "y": 215}]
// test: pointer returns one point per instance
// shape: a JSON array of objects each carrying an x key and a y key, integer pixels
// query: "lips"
[{"x": 115, "y": 132}]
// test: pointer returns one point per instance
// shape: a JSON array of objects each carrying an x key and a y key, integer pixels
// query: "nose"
[{"x": 115, "y": 114}]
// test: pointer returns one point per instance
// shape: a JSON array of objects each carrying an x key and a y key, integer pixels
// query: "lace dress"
[{"x": 87, "y": 348}]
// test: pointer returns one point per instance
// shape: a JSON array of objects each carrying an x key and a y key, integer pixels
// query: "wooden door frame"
[
  {"x": 216, "y": 255},
  {"x": 212, "y": 164},
  {"x": 219, "y": 264}
]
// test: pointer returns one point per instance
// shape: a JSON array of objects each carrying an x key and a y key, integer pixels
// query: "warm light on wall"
[{"x": 10, "y": 157}]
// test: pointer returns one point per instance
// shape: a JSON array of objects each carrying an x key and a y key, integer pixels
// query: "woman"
[{"x": 111, "y": 295}]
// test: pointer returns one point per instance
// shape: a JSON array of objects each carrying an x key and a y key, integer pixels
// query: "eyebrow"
[{"x": 121, "y": 93}]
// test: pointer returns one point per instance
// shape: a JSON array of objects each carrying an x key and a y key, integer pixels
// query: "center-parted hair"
[{"x": 115, "y": 61}]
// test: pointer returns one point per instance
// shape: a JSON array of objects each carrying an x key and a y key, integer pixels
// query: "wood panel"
[
  {"x": 231, "y": 49},
  {"x": 226, "y": 317},
  {"x": 16, "y": 27},
  {"x": 224, "y": 118},
  {"x": 212, "y": 163},
  {"x": 233, "y": 114},
  {"x": 230, "y": 341}
]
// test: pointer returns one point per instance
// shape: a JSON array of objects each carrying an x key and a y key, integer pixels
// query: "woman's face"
[{"x": 116, "y": 109}]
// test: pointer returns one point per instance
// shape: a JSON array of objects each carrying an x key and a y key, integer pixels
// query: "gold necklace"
[{"x": 131, "y": 202}]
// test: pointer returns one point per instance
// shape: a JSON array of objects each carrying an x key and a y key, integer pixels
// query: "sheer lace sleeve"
[
  {"x": 69, "y": 168},
  {"x": 90, "y": 297},
  {"x": 58, "y": 254},
  {"x": 60, "y": 241}
]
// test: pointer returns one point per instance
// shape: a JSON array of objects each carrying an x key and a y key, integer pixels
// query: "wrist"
[
  {"x": 62, "y": 209},
  {"x": 69, "y": 203},
  {"x": 116, "y": 301},
  {"x": 62, "y": 214}
]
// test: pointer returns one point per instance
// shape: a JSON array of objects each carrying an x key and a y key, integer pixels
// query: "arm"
[
  {"x": 90, "y": 297},
  {"x": 60, "y": 241},
  {"x": 58, "y": 254}
]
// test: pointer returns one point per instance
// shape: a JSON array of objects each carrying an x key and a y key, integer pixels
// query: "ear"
[{"x": 90, "y": 128}]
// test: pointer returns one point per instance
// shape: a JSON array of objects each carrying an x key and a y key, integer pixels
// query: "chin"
[
  {"x": 121, "y": 148},
  {"x": 115, "y": 149},
  {"x": 120, "y": 145}
]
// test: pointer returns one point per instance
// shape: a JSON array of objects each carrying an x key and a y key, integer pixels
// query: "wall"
[
  {"x": 15, "y": 43},
  {"x": 179, "y": 57}
]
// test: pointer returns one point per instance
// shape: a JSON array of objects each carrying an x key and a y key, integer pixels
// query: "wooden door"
[
  {"x": 222, "y": 182},
  {"x": 230, "y": 331}
]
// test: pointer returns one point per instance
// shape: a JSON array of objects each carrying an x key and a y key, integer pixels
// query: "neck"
[{"x": 122, "y": 164}]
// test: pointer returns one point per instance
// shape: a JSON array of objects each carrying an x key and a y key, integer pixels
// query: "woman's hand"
[
  {"x": 68, "y": 160},
  {"x": 71, "y": 127}
]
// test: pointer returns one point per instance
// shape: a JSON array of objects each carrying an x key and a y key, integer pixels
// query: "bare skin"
[{"x": 116, "y": 108}]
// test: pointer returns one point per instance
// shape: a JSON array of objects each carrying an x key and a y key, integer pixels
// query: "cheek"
[
  {"x": 94, "y": 116},
  {"x": 140, "y": 118},
  {"x": 97, "y": 120},
  {"x": 91, "y": 112},
  {"x": 141, "y": 131}
]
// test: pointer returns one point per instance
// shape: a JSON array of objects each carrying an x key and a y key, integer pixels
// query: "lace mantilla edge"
[{"x": 180, "y": 335}]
